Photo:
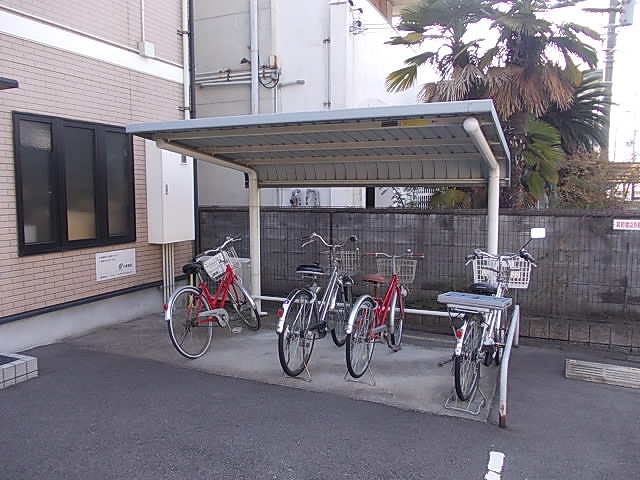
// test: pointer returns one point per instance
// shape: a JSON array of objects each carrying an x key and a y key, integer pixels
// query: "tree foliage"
[{"x": 530, "y": 69}]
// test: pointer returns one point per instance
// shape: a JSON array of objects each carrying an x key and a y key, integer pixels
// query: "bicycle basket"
[
  {"x": 517, "y": 269},
  {"x": 348, "y": 261},
  {"x": 231, "y": 257},
  {"x": 214, "y": 265},
  {"x": 405, "y": 269}
]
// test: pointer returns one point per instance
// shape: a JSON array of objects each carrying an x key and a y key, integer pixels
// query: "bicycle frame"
[
  {"x": 490, "y": 318},
  {"x": 383, "y": 309},
  {"x": 326, "y": 303},
  {"x": 219, "y": 298}
]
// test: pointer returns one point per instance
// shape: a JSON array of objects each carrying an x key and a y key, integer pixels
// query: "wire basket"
[
  {"x": 348, "y": 261},
  {"x": 405, "y": 269},
  {"x": 215, "y": 265},
  {"x": 517, "y": 271}
]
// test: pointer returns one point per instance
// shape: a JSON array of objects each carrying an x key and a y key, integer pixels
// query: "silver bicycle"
[
  {"x": 310, "y": 311},
  {"x": 479, "y": 317}
]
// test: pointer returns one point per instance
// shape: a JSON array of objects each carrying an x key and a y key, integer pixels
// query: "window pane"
[
  {"x": 118, "y": 183},
  {"x": 35, "y": 161},
  {"x": 79, "y": 166}
]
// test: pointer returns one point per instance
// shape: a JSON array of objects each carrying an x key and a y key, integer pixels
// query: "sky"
[{"x": 625, "y": 112}]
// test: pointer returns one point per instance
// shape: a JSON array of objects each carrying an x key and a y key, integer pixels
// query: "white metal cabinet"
[{"x": 170, "y": 202}]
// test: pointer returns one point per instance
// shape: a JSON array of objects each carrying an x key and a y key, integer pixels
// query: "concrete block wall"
[{"x": 585, "y": 290}]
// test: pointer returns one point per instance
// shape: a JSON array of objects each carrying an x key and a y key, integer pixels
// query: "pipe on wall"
[{"x": 255, "y": 94}]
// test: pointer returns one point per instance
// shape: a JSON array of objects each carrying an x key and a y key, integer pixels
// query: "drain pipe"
[
  {"x": 472, "y": 127},
  {"x": 255, "y": 97}
]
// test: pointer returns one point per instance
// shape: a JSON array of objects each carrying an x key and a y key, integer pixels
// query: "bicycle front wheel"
[
  {"x": 360, "y": 343},
  {"x": 467, "y": 364},
  {"x": 244, "y": 308},
  {"x": 295, "y": 342},
  {"x": 396, "y": 322},
  {"x": 340, "y": 315},
  {"x": 501, "y": 336},
  {"x": 190, "y": 330}
]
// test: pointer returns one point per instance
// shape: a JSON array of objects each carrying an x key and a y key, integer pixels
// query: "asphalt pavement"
[{"x": 120, "y": 402}]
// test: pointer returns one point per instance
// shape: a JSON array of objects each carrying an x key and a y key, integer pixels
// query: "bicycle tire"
[
  {"x": 501, "y": 338},
  {"x": 340, "y": 315},
  {"x": 467, "y": 364},
  {"x": 295, "y": 342},
  {"x": 190, "y": 338},
  {"x": 244, "y": 306},
  {"x": 491, "y": 349},
  {"x": 360, "y": 343},
  {"x": 396, "y": 323},
  {"x": 495, "y": 354}
]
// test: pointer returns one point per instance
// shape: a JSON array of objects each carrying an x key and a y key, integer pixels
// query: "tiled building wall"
[
  {"x": 117, "y": 21},
  {"x": 58, "y": 83}
]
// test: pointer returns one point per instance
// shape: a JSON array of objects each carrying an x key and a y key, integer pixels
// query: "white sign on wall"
[
  {"x": 626, "y": 224},
  {"x": 118, "y": 263}
]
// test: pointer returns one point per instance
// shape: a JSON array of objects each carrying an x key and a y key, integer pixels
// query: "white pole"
[
  {"x": 254, "y": 237},
  {"x": 472, "y": 127}
]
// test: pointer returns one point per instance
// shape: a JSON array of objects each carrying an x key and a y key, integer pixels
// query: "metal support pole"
[{"x": 504, "y": 366}]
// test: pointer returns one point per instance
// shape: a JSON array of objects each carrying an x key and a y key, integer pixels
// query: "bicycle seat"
[
  {"x": 483, "y": 288},
  {"x": 191, "y": 268},
  {"x": 377, "y": 278},
  {"x": 310, "y": 269}
]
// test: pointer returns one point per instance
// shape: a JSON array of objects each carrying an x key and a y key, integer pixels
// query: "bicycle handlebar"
[
  {"x": 227, "y": 241},
  {"x": 407, "y": 254},
  {"x": 316, "y": 236},
  {"x": 478, "y": 253}
]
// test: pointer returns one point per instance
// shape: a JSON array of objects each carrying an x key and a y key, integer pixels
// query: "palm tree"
[
  {"x": 584, "y": 125},
  {"x": 531, "y": 68},
  {"x": 543, "y": 157}
]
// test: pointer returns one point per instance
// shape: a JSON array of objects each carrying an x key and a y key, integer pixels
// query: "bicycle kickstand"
[
  {"x": 348, "y": 378},
  {"x": 442, "y": 364}
]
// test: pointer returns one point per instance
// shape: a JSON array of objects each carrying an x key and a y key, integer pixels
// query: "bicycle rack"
[{"x": 471, "y": 406}]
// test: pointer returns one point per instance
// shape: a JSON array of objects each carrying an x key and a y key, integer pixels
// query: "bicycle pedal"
[{"x": 381, "y": 328}]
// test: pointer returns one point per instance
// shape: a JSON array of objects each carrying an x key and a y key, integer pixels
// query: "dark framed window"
[{"x": 74, "y": 184}]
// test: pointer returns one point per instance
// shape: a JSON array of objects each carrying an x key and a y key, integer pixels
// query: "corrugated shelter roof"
[{"x": 424, "y": 144}]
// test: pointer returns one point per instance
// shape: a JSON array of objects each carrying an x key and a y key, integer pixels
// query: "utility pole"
[{"x": 625, "y": 9}]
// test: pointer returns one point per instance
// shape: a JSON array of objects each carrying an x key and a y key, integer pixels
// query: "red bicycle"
[
  {"x": 192, "y": 311},
  {"x": 375, "y": 319}
]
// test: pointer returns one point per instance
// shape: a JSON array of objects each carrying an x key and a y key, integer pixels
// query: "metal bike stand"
[
  {"x": 471, "y": 406},
  {"x": 349, "y": 378}
]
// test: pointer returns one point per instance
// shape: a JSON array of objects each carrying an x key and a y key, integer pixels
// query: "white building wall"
[{"x": 324, "y": 65}]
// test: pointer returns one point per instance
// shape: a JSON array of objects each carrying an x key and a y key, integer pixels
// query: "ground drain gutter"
[{"x": 603, "y": 373}]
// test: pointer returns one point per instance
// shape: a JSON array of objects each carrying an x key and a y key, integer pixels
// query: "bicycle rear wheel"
[
  {"x": 340, "y": 315},
  {"x": 295, "y": 342},
  {"x": 244, "y": 308},
  {"x": 190, "y": 331},
  {"x": 360, "y": 343},
  {"x": 467, "y": 364}
]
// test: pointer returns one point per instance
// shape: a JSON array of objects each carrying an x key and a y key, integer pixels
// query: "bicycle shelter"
[{"x": 430, "y": 144}]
